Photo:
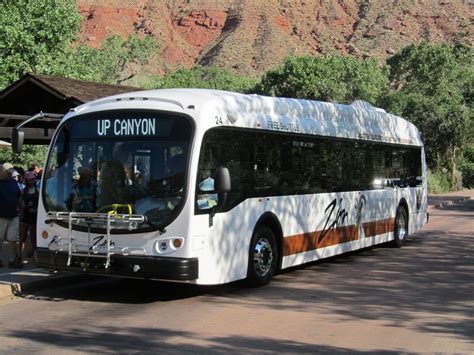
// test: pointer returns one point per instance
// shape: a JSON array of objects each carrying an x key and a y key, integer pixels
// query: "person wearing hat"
[
  {"x": 10, "y": 195},
  {"x": 17, "y": 177}
]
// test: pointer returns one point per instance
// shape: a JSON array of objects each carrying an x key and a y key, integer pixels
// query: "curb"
[
  {"x": 39, "y": 279},
  {"x": 5, "y": 290},
  {"x": 450, "y": 203}
]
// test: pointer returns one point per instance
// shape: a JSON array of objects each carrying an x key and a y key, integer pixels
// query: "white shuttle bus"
[{"x": 209, "y": 187}]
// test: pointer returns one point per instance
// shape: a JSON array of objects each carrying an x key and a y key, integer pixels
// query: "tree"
[
  {"x": 335, "y": 78},
  {"x": 116, "y": 61},
  {"x": 433, "y": 87},
  {"x": 31, "y": 154},
  {"x": 40, "y": 36},
  {"x": 206, "y": 78},
  {"x": 33, "y": 33}
]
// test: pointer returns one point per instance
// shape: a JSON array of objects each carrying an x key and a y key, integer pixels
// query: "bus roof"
[{"x": 209, "y": 108}]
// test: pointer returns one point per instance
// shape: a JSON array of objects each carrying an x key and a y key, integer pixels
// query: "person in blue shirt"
[{"x": 10, "y": 195}]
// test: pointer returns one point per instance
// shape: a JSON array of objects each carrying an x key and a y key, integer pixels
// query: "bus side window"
[
  {"x": 286, "y": 185},
  {"x": 379, "y": 170},
  {"x": 266, "y": 165},
  {"x": 205, "y": 198},
  {"x": 412, "y": 159}
]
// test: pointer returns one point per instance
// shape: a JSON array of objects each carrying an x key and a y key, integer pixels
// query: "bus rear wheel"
[
  {"x": 263, "y": 257},
  {"x": 401, "y": 227}
]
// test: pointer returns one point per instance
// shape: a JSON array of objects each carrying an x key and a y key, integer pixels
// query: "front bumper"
[{"x": 145, "y": 267}]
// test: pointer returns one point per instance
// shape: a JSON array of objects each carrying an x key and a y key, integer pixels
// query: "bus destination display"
[{"x": 126, "y": 127}]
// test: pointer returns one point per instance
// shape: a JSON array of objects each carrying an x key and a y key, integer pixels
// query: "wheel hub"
[
  {"x": 401, "y": 227},
  {"x": 263, "y": 257}
]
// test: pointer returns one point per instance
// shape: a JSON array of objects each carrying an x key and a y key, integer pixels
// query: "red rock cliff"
[{"x": 252, "y": 36}]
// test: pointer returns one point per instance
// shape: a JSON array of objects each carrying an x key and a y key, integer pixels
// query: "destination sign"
[
  {"x": 126, "y": 127},
  {"x": 123, "y": 125}
]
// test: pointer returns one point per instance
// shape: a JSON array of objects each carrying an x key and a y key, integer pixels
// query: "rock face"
[{"x": 250, "y": 37}]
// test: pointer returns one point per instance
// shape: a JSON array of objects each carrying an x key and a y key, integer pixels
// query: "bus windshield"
[{"x": 125, "y": 162}]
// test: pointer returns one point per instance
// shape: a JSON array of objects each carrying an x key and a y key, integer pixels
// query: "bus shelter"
[{"x": 35, "y": 93}]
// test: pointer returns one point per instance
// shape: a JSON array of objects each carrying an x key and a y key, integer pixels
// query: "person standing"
[
  {"x": 10, "y": 197},
  {"x": 17, "y": 177},
  {"x": 28, "y": 214},
  {"x": 38, "y": 172}
]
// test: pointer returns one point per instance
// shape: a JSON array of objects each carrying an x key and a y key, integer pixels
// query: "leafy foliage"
[
  {"x": 437, "y": 182},
  {"x": 33, "y": 33},
  {"x": 336, "y": 78},
  {"x": 467, "y": 167},
  {"x": 38, "y": 36},
  {"x": 116, "y": 61},
  {"x": 433, "y": 87},
  {"x": 206, "y": 78},
  {"x": 31, "y": 154}
]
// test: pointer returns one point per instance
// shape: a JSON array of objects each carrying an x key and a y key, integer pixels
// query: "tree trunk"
[{"x": 453, "y": 169}]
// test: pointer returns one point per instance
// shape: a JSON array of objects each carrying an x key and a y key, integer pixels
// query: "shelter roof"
[
  {"x": 35, "y": 93},
  {"x": 78, "y": 91}
]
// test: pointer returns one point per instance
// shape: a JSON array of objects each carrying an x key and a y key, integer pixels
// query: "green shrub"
[
  {"x": 437, "y": 182},
  {"x": 467, "y": 167},
  {"x": 459, "y": 181}
]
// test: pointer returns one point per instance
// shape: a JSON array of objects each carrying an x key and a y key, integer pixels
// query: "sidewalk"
[
  {"x": 16, "y": 281},
  {"x": 13, "y": 282},
  {"x": 448, "y": 199}
]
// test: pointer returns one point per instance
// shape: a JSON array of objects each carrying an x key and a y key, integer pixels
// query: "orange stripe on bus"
[
  {"x": 301, "y": 243},
  {"x": 379, "y": 227},
  {"x": 309, "y": 241}
]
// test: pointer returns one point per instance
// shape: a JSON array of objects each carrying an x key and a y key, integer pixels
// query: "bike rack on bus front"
[{"x": 94, "y": 251}]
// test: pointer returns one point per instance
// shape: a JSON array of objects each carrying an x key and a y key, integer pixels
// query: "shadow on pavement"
[
  {"x": 124, "y": 291},
  {"x": 427, "y": 285},
  {"x": 103, "y": 339}
]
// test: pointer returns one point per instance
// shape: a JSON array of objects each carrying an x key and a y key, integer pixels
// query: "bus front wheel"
[
  {"x": 263, "y": 257},
  {"x": 401, "y": 227}
]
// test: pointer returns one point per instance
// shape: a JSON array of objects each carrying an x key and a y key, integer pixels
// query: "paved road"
[{"x": 384, "y": 300}]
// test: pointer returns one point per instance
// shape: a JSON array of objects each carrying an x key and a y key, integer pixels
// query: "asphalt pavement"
[{"x": 15, "y": 281}]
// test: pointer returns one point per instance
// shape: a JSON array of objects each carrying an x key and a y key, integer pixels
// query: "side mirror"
[
  {"x": 17, "y": 140},
  {"x": 222, "y": 180},
  {"x": 222, "y": 187}
]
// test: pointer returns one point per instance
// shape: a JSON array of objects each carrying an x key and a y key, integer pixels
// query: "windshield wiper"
[{"x": 161, "y": 228}]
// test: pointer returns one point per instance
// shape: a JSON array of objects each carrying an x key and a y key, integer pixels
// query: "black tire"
[
  {"x": 263, "y": 257},
  {"x": 401, "y": 227}
]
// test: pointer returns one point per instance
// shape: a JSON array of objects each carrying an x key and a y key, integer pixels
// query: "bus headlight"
[
  {"x": 168, "y": 245},
  {"x": 163, "y": 246}
]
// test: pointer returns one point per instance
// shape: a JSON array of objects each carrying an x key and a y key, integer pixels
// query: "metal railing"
[{"x": 109, "y": 221}]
